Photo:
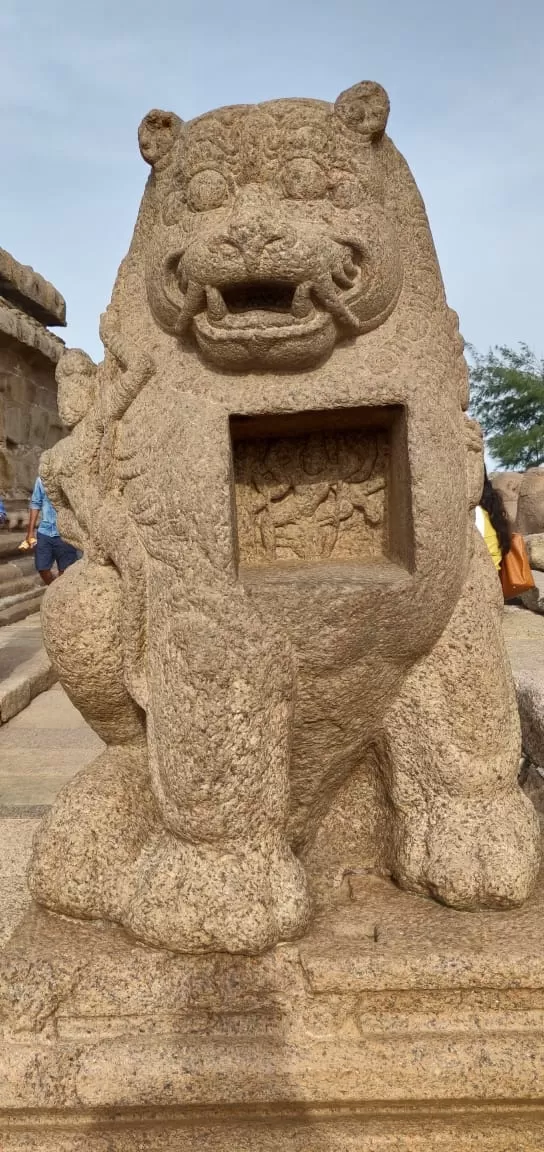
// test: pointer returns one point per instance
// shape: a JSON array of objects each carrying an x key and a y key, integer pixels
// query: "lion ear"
[
  {"x": 364, "y": 108},
  {"x": 157, "y": 134}
]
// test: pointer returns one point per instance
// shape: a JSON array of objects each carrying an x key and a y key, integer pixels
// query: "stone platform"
[
  {"x": 25, "y": 669},
  {"x": 395, "y": 1024}
]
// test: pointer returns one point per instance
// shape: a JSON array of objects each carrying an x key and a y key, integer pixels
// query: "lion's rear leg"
[{"x": 463, "y": 830}]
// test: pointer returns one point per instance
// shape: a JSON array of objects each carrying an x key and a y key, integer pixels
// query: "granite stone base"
[{"x": 395, "y": 1024}]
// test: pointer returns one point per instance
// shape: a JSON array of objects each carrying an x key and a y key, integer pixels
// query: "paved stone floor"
[
  {"x": 41, "y": 748},
  {"x": 18, "y": 642},
  {"x": 524, "y": 635}
]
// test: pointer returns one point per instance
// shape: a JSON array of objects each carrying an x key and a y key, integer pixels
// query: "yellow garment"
[{"x": 486, "y": 529}]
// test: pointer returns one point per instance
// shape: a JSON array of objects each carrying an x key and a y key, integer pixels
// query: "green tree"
[{"x": 507, "y": 398}]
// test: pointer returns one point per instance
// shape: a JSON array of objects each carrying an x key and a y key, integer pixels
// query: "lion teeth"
[
  {"x": 217, "y": 309},
  {"x": 327, "y": 295},
  {"x": 193, "y": 302},
  {"x": 302, "y": 303},
  {"x": 342, "y": 278},
  {"x": 182, "y": 277}
]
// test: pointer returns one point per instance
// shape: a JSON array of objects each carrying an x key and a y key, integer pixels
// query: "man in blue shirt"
[{"x": 50, "y": 547}]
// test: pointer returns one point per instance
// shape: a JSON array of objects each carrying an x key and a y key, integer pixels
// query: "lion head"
[{"x": 270, "y": 240}]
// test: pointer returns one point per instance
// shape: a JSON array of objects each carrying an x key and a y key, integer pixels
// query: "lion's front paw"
[
  {"x": 472, "y": 854},
  {"x": 204, "y": 898}
]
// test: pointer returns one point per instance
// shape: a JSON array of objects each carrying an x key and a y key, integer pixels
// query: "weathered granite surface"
[
  {"x": 395, "y": 1024},
  {"x": 25, "y": 330},
  {"x": 288, "y": 634},
  {"x": 535, "y": 550},
  {"x": 27, "y": 289},
  {"x": 29, "y": 420},
  {"x": 524, "y": 634},
  {"x": 508, "y": 484},
  {"x": 530, "y": 517},
  {"x": 288, "y": 631},
  {"x": 523, "y": 496}
]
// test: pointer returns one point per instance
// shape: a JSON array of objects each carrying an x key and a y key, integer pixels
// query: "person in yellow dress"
[{"x": 493, "y": 523}]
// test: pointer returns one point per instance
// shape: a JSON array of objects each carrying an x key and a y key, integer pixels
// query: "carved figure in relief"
[
  {"x": 295, "y": 499},
  {"x": 281, "y": 268}
]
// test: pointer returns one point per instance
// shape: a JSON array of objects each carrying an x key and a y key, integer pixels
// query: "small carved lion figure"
[{"x": 285, "y": 627}]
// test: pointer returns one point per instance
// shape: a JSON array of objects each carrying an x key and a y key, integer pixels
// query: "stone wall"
[{"x": 29, "y": 421}]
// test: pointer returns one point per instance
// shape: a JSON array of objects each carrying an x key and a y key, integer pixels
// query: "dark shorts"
[{"x": 53, "y": 548}]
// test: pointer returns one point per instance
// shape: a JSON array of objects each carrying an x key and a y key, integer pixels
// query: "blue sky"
[{"x": 466, "y": 82}]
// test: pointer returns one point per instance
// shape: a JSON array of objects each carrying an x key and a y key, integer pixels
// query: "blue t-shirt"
[{"x": 48, "y": 517}]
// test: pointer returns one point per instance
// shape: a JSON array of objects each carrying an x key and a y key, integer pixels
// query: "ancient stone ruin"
[
  {"x": 29, "y": 419},
  {"x": 29, "y": 353},
  {"x": 287, "y": 632}
]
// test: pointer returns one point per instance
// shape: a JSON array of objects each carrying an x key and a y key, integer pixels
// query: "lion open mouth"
[
  {"x": 276, "y": 303},
  {"x": 272, "y": 296},
  {"x": 259, "y": 303},
  {"x": 283, "y": 319}
]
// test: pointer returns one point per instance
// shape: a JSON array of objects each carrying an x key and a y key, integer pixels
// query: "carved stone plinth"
[{"x": 395, "y": 1024}]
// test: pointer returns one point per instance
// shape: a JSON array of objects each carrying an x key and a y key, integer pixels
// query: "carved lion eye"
[
  {"x": 207, "y": 190},
  {"x": 303, "y": 179}
]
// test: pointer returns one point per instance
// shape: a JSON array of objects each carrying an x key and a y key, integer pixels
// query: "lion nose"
[{"x": 252, "y": 238}]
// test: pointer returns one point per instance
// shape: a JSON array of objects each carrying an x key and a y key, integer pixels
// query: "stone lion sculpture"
[{"x": 285, "y": 628}]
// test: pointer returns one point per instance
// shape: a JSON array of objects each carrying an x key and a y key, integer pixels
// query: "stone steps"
[
  {"x": 12, "y": 613},
  {"x": 20, "y": 585},
  {"x": 21, "y": 589},
  {"x": 25, "y": 670}
]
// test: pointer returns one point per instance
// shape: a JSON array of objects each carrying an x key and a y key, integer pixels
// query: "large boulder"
[
  {"x": 508, "y": 484},
  {"x": 530, "y": 518},
  {"x": 535, "y": 550}
]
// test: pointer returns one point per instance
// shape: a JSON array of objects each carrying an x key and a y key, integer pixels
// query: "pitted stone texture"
[
  {"x": 26, "y": 288},
  {"x": 535, "y": 550},
  {"x": 364, "y": 1036},
  {"x": 534, "y": 598},
  {"x": 508, "y": 484},
  {"x": 523, "y": 496},
  {"x": 29, "y": 421},
  {"x": 530, "y": 692},
  {"x": 530, "y": 519},
  {"x": 26, "y": 330},
  {"x": 524, "y": 632},
  {"x": 461, "y": 1129},
  {"x": 284, "y": 614}
]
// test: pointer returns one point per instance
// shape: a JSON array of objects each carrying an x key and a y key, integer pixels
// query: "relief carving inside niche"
[{"x": 321, "y": 496}]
